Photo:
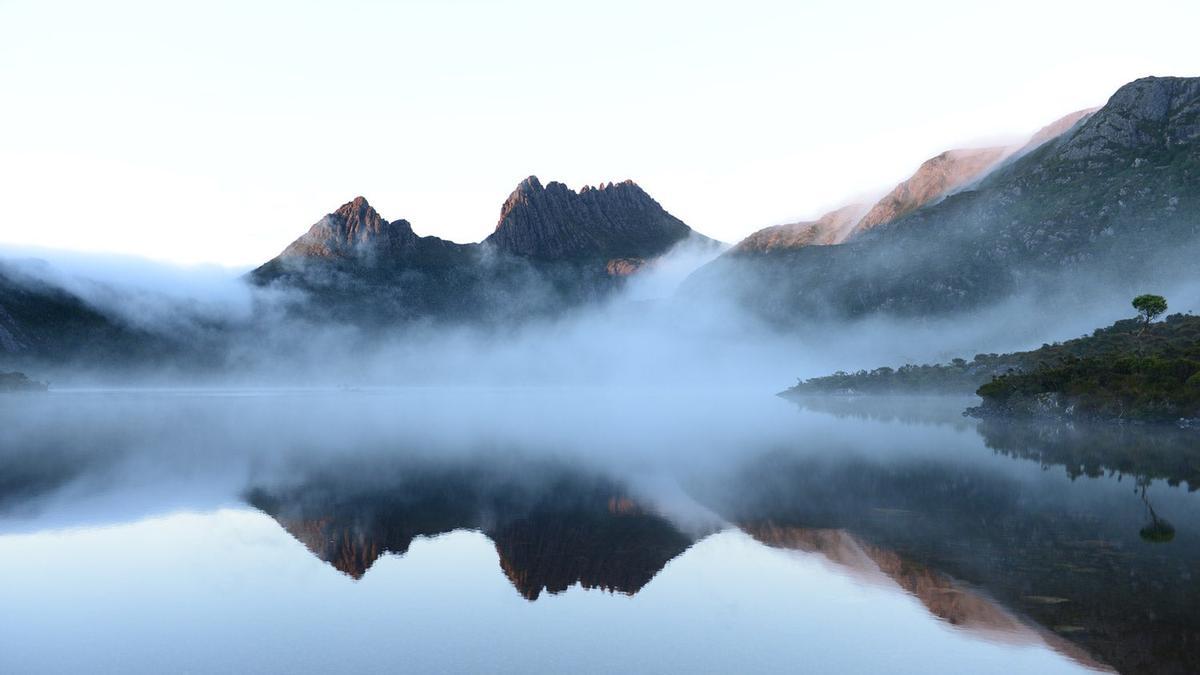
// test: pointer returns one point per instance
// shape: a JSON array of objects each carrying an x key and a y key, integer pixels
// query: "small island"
[
  {"x": 15, "y": 381},
  {"x": 1136, "y": 370}
]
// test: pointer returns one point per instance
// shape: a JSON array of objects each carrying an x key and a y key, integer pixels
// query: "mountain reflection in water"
[
  {"x": 1076, "y": 541},
  {"x": 552, "y": 531}
]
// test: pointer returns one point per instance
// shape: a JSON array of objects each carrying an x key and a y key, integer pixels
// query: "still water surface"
[{"x": 460, "y": 530}]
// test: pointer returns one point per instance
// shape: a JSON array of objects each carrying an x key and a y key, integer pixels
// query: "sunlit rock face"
[
  {"x": 1151, "y": 114},
  {"x": 356, "y": 230},
  {"x": 935, "y": 178},
  {"x": 612, "y": 221},
  {"x": 549, "y": 534},
  {"x": 830, "y": 228},
  {"x": 352, "y": 226},
  {"x": 1108, "y": 203},
  {"x": 355, "y": 233},
  {"x": 554, "y": 249},
  {"x": 1055, "y": 129}
]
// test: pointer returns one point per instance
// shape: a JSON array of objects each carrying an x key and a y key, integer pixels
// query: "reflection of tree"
[
  {"x": 1147, "y": 452},
  {"x": 1159, "y": 531},
  {"x": 932, "y": 409}
]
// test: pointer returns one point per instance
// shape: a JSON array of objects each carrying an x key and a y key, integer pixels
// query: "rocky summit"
[
  {"x": 608, "y": 222},
  {"x": 552, "y": 249}
]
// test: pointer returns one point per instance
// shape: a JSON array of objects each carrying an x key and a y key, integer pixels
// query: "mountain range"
[
  {"x": 1100, "y": 194},
  {"x": 552, "y": 249},
  {"x": 552, "y": 527}
]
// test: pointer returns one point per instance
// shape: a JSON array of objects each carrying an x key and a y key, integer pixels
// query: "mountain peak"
[
  {"x": 1160, "y": 113},
  {"x": 361, "y": 219},
  {"x": 357, "y": 205},
  {"x": 612, "y": 220},
  {"x": 1056, "y": 128},
  {"x": 354, "y": 228},
  {"x": 530, "y": 184}
]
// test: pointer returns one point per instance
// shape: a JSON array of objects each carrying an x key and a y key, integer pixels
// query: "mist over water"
[
  {"x": 647, "y": 334},
  {"x": 621, "y": 472},
  {"x": 604, "y": 506}
]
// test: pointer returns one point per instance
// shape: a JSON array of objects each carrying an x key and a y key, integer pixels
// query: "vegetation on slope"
[{"x": 1135, "y": 370}]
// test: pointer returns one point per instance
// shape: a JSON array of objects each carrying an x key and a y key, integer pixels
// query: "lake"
[{"x": 586, "y": 530}]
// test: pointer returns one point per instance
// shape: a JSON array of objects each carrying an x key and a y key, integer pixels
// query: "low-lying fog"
[{"x": 645, "y": 335}]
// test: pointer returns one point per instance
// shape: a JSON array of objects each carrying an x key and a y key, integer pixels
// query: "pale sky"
[{"x": 219, "y": 131}]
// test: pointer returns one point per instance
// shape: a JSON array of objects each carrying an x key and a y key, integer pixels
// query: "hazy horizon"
[{"x": 219, "y": 136}]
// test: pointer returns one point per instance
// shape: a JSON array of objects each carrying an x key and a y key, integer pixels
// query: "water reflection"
[
  {"x": 1070, "y": 546},
  {"x": 1095, "y": 563},
  {"x": 552, "y": 527}
]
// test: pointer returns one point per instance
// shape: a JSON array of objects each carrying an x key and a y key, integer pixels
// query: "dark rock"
[{"x": 614, "y": 220}]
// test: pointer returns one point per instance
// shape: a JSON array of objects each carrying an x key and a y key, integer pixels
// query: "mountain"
[
  {"x": 934, "y": 179},
  {"x": 356, "y": 231},
  {"x": 1055, "y": 129},
  {"x": 831, "y": 228},
  {"x": 552, "y": 249},
  {"x": 1110, "y": 201},
  {"x": 612, "y": 221}
]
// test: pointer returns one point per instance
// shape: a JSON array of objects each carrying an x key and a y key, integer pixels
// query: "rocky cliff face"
[
  {"x": 1154, "y": 114},
  {"x": 614, "y": 220},
  {"x": 936, "y": 178},
  {"x": 353, "y": 229},
  {"x": 356, "y": 233}
]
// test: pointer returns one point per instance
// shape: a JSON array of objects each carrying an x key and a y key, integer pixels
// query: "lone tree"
[{"x": 1149, "y": 307}]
